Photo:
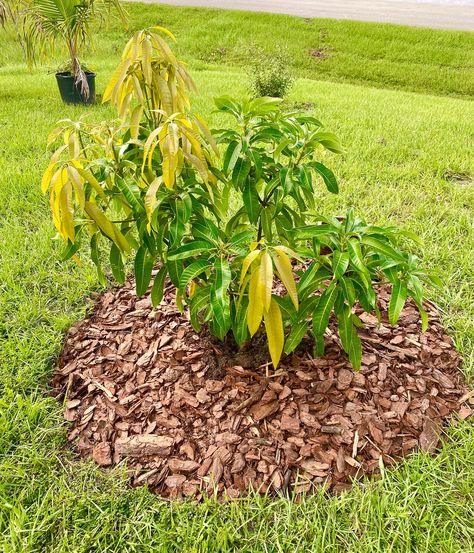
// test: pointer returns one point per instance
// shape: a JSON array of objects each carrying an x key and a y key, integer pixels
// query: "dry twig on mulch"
[{"x": 193, "y": 416}]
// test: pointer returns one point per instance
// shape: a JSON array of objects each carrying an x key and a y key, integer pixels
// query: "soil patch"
[
  {"x": 319, "y": 54},
  {"x": 193, "y": 416}
]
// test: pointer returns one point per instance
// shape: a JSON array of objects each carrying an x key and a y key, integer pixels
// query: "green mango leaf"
[
  {"x": 383, "y": 248},
  {"x": 295, "y": 336},
  {"x": 329, "y": 141},
  {"x": 240, "y": 172},
  {"x": 199, "y": 301},
  {"x": 71, "y": 249},
  {"x": 143, "y": 267},
  {"x": 328, "y": 177},
  {"x": 348, "y": 290},
  {"x": 267, "y": 222},
  {"x": 178, "y": 224},
  {"x": 192, "y": 271},
  {"x": 251, "y": 202},
  {"x": 95, "y": 256},
  {"x": 158, "y": 286},
  {"x": 349, "y": 338},
  {"x": 239, "y": 321},
  {"x": 190, "y": 249},
  {"x": 116, "y": 264},
  {"x": 227, "y": 104},
  {"x": 312, "y": 231},
  {"x": 323, "y": 309},
  {"x": 131, "y": 193},
  {"x": 231, "y": 156},
  {"x": 397, "y": 301},
  {"x": 257, "y": 163},
  {"x": 357, "y": 259},
  {"x": 340, "y": 263}
]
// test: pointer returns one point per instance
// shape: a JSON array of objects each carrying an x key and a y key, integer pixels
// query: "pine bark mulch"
[{"x": 192, "y": 416}]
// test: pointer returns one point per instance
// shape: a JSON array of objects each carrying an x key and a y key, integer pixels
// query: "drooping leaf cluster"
[{"x": 230, "y": 217}]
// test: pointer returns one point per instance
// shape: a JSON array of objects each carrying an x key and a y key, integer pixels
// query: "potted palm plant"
[{"x": 43, "y": 23}]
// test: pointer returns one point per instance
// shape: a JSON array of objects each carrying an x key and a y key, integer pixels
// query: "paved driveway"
[{"x": 407, "y": 12}]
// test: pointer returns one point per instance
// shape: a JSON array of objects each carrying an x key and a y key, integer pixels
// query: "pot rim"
[{"x": 68, "y": 74}]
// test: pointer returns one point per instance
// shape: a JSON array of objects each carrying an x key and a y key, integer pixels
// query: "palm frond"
[{"x": 45, "y": 22}]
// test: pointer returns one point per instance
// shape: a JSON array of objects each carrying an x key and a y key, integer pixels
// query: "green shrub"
[
  {"x": 270, "y": 76},
  {"x": 156, "y": 184}
]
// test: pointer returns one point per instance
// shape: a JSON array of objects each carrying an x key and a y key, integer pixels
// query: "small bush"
[{"x": 270, "y": 76}]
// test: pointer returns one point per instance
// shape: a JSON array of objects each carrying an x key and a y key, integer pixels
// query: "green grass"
[
  {"x": 380, "y": 55},
  {"x": 400, "y": 145}
]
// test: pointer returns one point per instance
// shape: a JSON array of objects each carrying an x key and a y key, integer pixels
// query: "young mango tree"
[{"x": 230, "y": 217}]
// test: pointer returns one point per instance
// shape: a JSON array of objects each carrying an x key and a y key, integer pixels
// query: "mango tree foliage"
[{"x": 230, "y": 217}]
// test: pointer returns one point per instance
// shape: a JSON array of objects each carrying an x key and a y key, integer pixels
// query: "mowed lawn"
[{"x": 409, "y": 161}]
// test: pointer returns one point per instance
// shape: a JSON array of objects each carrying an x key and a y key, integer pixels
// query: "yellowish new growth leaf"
[
  {"x": 150, "y": 199},
  {"x": 47, "y": 176},
  {"x": 135, "y": 121},
  {"x": 275, "y": 332},
  {"x": 67, "y": 212},
  {"x": 77, "y": 182},
  {"x": 256, "y": 303},
  {"x": 146, "y": 60},
  {"x": 89, "y": 177},
  {"x": 73, "y": 145},
  {"x": 266, "y": 279},
  {"x": 251, "y": 257},
  {"x": 106, "y": 226},
  {"x": 285, "y": 272},
  {"x": 165, "y": 31}
]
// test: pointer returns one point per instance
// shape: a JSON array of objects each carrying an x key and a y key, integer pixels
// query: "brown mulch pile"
[{"x": 193, "y": 416}]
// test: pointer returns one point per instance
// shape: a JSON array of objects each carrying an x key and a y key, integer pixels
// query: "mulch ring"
[{"x": 193, "y": 416}]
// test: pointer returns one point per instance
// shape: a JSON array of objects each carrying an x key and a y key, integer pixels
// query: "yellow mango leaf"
[
  {"x": 289, "y": 252},
  {"x": 56, "y": 185},
  {"x": 165, "y": 95},
  {"x": 251, "y": 257},
  {"x": 168, "y": 173},
  {"x": 150, "y": 199},
  {"x": 146, "y": 60},
  {"x": 67, "y": 212},
  {"x": 54, "y": 134},
  {"x": 275, "y": 332},
  {"x": 266, "y": 279},
  {"x": 73, "y": 145},
  {"x": 165, "y": 50},
  {"x": 285, "y": 272},
  {"x": 138, "y": 91},
  {"x": 77, "y": 182},
  {"x": 199, "y": 165},
  {"x": 124, "y": 105},
  {"x": 89, "y": 177},
  {"x": 116, "y": 80},
  {"x": 207, "y": 134},
  {"x": 106, "y": 226},
  {"x": 256, "y": 305},
  {"x": 57, "y": 153},
  {"x": 47, "y": 176},
  {"x": 165, "y": 31},
  {"x": 150, "y": 143},
  {"x": 135, "y": 121}
]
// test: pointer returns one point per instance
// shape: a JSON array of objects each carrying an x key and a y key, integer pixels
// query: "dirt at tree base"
[{"x": 191, "y": 416}]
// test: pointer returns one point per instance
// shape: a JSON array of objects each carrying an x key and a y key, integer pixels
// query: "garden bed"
[{"x": 194, "y": 416}]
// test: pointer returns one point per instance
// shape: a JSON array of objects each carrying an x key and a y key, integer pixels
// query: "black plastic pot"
[{"x": 71, "y": 93}]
